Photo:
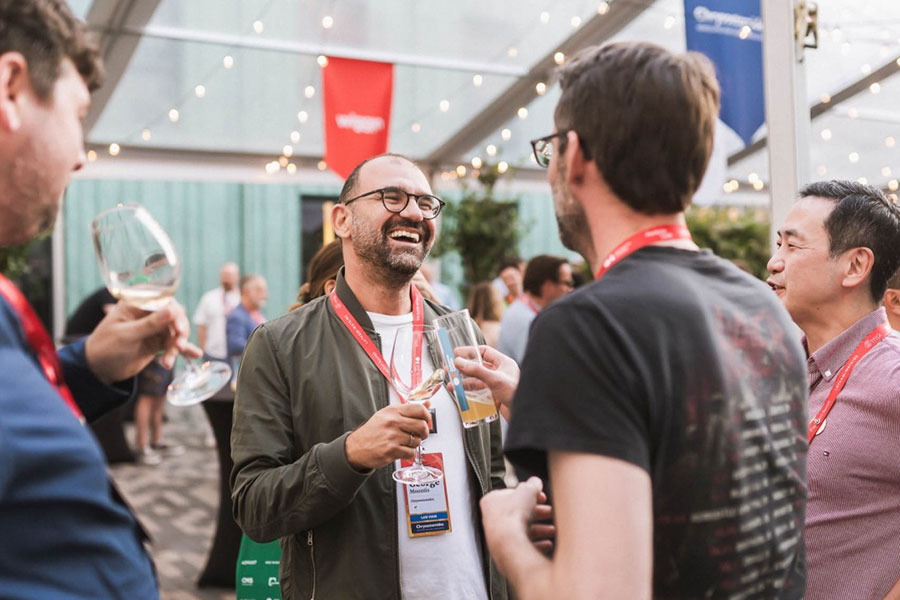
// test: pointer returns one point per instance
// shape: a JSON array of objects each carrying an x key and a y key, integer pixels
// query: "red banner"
[{"x": 357, "y": 99}]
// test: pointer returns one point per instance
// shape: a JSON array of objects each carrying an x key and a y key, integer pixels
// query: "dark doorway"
[{"x": 312, "y": 227}]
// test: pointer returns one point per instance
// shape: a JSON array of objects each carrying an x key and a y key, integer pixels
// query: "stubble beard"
[
  {"x": 28, "y": 209},
  {"x": 571, "y": 219},
  {"x": 395, "y": 267}
]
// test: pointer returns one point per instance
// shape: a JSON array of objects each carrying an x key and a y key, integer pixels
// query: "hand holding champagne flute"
[{"x": 140, "y": 266}]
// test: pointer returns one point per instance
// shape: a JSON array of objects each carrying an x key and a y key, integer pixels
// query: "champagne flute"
[
  {"x": 402, "y": 357},
  {"x": 140, "y": 266}
]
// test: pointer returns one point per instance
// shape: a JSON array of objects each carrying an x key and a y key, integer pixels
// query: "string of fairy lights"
[{"x": 847, "y": 35}]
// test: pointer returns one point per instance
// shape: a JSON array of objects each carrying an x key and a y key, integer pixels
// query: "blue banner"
[{"x": 729, "y": 32}]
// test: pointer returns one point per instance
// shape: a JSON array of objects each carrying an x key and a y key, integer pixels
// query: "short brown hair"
[
  {"x": 541, "y": 268},
  {"x": 645, "y": 116},
  {"x": 46, "y": 32}
]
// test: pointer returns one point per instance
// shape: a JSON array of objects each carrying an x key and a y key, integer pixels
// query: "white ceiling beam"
[
  {"x": 108, "y": 17},
  {"x": 314, "y": 49},
  {"x": 522, "y": 91}
]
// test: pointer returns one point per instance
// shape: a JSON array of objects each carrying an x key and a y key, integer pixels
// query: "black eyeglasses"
[
  {"x": 395, "y": 201},
  {"x": 543, "y": 147}
]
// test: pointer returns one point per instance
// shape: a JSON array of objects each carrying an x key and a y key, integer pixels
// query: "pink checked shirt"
[{"x": 853, "y": 469}]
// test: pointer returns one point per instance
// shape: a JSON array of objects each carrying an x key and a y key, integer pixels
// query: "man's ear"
[
  {"x": 858, "y": 266},
  {"x": 891, "y": 301},
  {"x": 340, "y": 220},
  {"x": 14, "y": 84},
  {"x": 574, "y": 159}
]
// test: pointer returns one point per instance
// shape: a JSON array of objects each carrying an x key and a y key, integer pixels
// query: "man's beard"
[
  {"x": 571, "y": 219},
  {"x": 395, "y": 266}
]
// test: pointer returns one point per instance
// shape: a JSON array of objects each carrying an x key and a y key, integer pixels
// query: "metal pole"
[{"x": 787, "y": 111}]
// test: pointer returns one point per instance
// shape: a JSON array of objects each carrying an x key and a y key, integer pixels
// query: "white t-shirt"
[
  {"x": 448, "y": 565},
  {"x": 211, "y": 312}
]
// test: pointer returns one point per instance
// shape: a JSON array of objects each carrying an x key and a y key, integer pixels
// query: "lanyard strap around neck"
[
  {"x": 875, "y": 336},
  {"x": 356, "y": 330},
  {"x": 40, "y": 342},
  {"x": 661, "y": 233},
  {"x": 530, "y": 303}
]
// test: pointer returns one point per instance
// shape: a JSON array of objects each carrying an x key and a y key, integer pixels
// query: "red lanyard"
[
  {"x": 662, "y": 233},
  {"x": 875, "y": 336},
  {"x": 40, "y": 342},
  {"x": 530, "y": 303},
  {"x": 365, "y": 341}
]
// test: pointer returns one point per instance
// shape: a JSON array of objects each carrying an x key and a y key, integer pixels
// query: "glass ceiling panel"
[
  {"x": 254, "y": 105},
  {"x": 80, "y": 7}
]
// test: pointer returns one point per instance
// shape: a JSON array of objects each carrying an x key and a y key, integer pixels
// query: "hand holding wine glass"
[
  {"x": 140, "y": 266},
  {"x": 415, "y": 387}
]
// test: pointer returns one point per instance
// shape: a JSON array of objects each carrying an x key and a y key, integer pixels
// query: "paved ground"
[{"x": 177, "y": 501}]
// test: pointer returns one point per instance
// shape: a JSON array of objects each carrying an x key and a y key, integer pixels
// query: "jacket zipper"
[{"x": 312, "y": 560}]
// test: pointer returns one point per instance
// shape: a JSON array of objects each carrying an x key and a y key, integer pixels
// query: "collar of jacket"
[{"x": 342, "y": 288}]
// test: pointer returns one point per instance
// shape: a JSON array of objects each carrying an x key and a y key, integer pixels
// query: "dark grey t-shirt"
[{"x": 680, "y": 363}]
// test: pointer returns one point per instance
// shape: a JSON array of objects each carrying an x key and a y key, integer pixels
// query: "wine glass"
[
  {"x": 402, "y": 357},
  {"x": 140, "y": 266}
]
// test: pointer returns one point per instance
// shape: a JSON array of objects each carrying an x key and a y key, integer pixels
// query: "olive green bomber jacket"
[{"x": 304, "y": 384}]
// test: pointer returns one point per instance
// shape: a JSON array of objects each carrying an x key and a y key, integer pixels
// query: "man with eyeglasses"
[
  {"x": 319, "y": 429},
  {"x": 546, "y": 279},
  {"x": 666, "y": 401}
]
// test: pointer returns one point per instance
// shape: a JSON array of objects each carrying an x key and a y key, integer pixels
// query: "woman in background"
[
  {"x": 321, "y": 274},
  {"x": 486, "y": 307}
]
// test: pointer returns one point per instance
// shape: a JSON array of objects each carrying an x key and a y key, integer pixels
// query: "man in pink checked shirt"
[{"x": 836, "y": 250}]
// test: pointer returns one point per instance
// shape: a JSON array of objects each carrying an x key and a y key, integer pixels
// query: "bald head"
[{"x": 229, "y": 276}]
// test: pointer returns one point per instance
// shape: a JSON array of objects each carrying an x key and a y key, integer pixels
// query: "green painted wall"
[{"x": 257, "y": 226}]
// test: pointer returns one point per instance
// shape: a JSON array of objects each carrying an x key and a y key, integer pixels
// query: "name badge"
[{"x": 427, "y": 508}]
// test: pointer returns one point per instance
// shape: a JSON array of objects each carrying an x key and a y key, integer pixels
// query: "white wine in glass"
[
  {"x": 140, "y": 266},
  {"x": 402, "y": 358}
]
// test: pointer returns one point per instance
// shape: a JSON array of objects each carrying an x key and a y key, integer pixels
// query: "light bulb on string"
[
  {"x": 893, "y": 185},
  {"x": 559, "y": 58},
  {"x": 540, "y": 87},
  {"x": 821, "y": 170},
  {"x": 114, "y": 149},
  {"x": 322, "y": 165},
  {"x": 477, "y": 80},
  {"x": 853, "y": 157},
  {"x": 885, "y": 171},
  {"x": 228, "y": 62},
  {"x": 669, "y": 22},
  {"x": 283, "y": 161},
  {"x": 863, "y": 181},
  {"x": 889, "y": 141},
  {"x": 200, "y": 91},
  {"x": 295, "y": 137},
  {"x": 826, "y": 134},
  {"x": 603, "y": 8},
  {"x": 291, "y": 168},
  {"x": 303, "y": 116},
  {"x": 444, "y": 105},
  {"x": 512, "y": 52},
  {"x": 309, "y": 91},
  {"x": 875, "y": 88},
  {"x": 506, "y": 134},
  {"x": 174, "y": 115},
  {"x": 522, "y": 113},
  {"x": 145, "y": 135},
  {"x": 545, "y": 17},
  {"x": 502, "y": 166},
  {"x": 477, "y": 162},
  {"x": 416, "y": 127},
  {"x": 327, "y": 22},
  {"x": 491, "y": 150},
  {"x": 288, "y": 150},
  {"x": 575, "y": 22},
  {"x": 258, "y": 26},
  {"x": 461, "y": 170},
  {"x": 91, "y": 155},
  {"x": 322, "y": 60},
  {"x": 745, "y": 32}
]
